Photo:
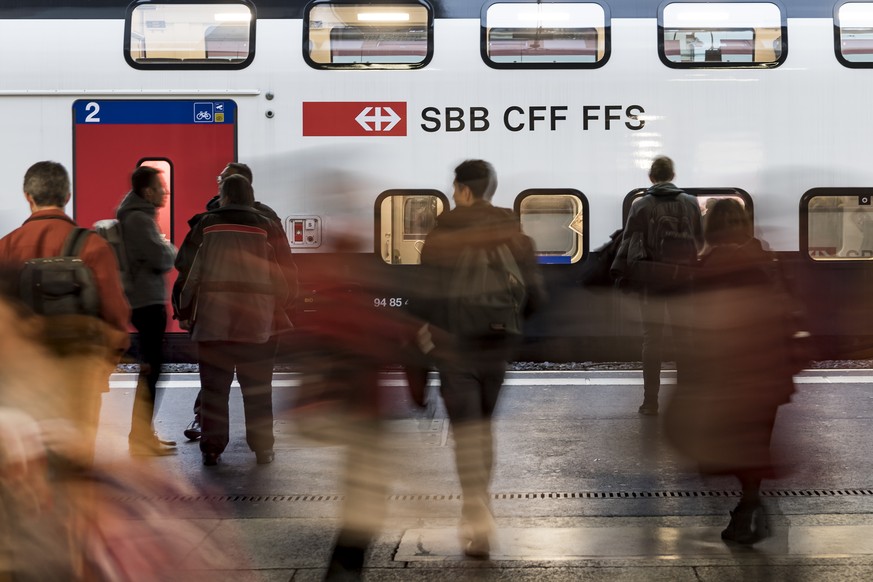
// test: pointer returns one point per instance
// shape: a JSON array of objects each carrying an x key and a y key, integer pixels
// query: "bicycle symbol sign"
[
  {"x": 204, "y": 112},
  {"x": 203, "y": 116}
]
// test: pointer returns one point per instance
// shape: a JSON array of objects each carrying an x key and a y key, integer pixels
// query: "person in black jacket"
[
  {"x": 472, "y": 379},
  {"x": 150, "y": 257},
  {"x": 236, "y": 282}
]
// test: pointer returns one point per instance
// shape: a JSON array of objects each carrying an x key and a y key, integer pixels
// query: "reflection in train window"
[
  {"x": 376, "y": 36},
  {"x": 853, "y": 26},
  {"x": 162, "y": 217},
  {"x": 839, "y": 227},
  {"x": 403, "y": 220},
  {"x": 556, "y": 35},
  {"x": 556, "y": 221},
  {"x": 190, "y": 35},
  {"x": 722, "y": 34}
]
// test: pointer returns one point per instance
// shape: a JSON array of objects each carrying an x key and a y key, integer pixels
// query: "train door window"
[
  {"x": 722, "y": 34},
  {"x": 165, "y": 169},
  {"x": 384, "y": 35},
  {"x": 853, "y": 30},
  {"x": 706, "y": 197},
  {"x": 545, "y": 35},
  {"x": 190, "y": 35},
  {"x": 403, "y": 220},
  {"x": 556, "y": 219},
  {"x": 837, "y": 224}
]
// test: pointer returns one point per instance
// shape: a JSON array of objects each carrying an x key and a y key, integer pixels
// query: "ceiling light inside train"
[
  {"x": 383, "y": 17},
  {"x": 233, "y": 17}
]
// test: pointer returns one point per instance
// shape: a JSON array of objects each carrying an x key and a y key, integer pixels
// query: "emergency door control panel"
[{"x": 303, "y": 231}]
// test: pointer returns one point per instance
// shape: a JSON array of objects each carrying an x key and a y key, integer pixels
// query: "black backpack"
[
  {"x": 62, "y": 285},
  {"x": 671, "y": 233},
  {"x": 486, "y": 293}
]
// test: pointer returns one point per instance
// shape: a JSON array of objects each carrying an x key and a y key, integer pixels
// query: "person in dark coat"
[
  {"x": 150, "y": 257},
  {"x": 724, "y": 408}
]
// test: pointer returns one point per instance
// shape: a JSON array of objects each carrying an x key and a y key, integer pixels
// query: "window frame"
[
  {"x": 725, "y": 192},
  {"x": 483, "y": 38},
  {"x": 368, "y": 66},
  {"x": 838, "y": 49},
  {"x": 189, "y": 66},
  {"x": 377, "y": 217},
  {"x": 831, "y": 192},
  {"x": 586, "y": 221},
  {"x": 717, "y": 64}
]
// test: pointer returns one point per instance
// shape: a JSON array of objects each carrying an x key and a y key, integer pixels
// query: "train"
[{"x": 353, "y": 113}]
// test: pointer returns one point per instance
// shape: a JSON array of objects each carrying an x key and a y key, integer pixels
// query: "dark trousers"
[
  {"x": 150, "y": 323},
  {"x": 254, "y": 370},
  {"x": 656, "y": 310},
  {"x": 470, "y": 388}
]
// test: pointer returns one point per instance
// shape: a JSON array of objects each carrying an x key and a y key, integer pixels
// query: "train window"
[
  {"x": 189, "y": 35},
  {"x": 556, "y": 219},
  {"x": 382, "y": 35},
  {"x": 538, "y": 35},
  {"x": 722, "y": 34},
  {"x": 837, "y": 224},
  {"x": 853, "y": 30},
  {"x": 403, "y": 220}
]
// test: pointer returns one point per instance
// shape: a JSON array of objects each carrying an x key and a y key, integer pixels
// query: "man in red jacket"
[{"x": 86, "y": 368}]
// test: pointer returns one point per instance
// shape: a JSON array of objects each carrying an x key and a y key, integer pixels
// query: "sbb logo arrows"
[{"x": 354, "y": 118}]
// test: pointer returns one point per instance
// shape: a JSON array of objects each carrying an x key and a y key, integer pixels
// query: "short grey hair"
[{"x": 48, "y": 183}]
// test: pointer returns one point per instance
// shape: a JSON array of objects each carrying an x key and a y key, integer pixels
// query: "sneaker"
[
  {"x": 748, "y": 525},
  {"x": 193, "y": 432},
  {"x": 211, "y": 459},
  {"x": 264, "y": 457}
]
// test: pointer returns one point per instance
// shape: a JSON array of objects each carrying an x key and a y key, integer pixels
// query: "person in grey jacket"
[{"x": 149, "y": 257}]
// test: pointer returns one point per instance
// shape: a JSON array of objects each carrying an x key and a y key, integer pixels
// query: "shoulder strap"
[{"x": 75, "y": 241}]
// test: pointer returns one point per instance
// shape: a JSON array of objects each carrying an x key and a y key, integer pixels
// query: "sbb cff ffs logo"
[{"x": 354, "y": 118}]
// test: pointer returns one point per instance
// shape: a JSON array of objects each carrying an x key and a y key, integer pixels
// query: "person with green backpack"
[{"x": 483, "y": 281}]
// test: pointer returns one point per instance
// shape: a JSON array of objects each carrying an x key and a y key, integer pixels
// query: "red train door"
[{"x": 189, "y": 141}]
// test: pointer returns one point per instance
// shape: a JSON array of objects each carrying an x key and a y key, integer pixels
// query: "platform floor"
[{"x": 584, "y": 488}]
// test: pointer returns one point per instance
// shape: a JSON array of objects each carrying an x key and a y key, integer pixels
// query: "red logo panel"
[{"x": 354, "y": 118}]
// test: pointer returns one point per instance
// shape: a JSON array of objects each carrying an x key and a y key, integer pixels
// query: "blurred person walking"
[
  {"x": 236, "y": 282},
  {"x": 88, "y": 347},
  {"x": 149, "y": 258},
  {"x": 661, "y": 240},
  {"x": 724, "y": 408},
  {"x": 483, "y": 309}
]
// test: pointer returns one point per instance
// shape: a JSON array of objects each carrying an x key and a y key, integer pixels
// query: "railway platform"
[{"x": 584, "y": 489}]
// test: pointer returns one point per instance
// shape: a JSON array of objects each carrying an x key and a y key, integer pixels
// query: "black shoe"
[
  {"x": 748, "y": 525},
  {"x": 648, "y": 409},
  {"x": 193, "y": 432},
  {"x": 265, "y": 457},
  {"x": 211, "y": 459}
]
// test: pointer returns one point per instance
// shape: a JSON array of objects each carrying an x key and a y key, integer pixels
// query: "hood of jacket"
[
  {"x": 664, "y": 189},
  {"x": 135, "y": 203}
]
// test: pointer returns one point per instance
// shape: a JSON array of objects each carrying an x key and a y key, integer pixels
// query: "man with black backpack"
[
  {"x": 149, "y": 257},
  {"x": 70, "y": 277},
  {"x": 658, "y": 250},
  {"x": 484, "y": 280}
]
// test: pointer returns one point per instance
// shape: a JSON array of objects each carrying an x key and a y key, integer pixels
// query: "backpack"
[
  {"x": 671, "y": 234},
  {"x": 62, "y": 285},
  {"x": 596, "y": 272},
  {"x": 110, "y": 230},
  {"x": 486, "y": 293}
]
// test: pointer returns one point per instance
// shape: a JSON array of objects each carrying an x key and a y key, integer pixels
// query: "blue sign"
[
  {"x": 553, "y": 260},
  {"x": 152, "y": 112}
]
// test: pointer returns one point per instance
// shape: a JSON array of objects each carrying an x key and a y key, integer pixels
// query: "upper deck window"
[
  {"x": 189, "y": 35},
  {"x": 853, "y": 30},
  {"x": 545, "y": 35},
  {"x": 389, "y": 35},
  {"x": 722, "y": 34}
]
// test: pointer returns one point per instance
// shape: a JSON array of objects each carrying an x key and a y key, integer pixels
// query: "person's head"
[
  {"x": 474, "y": 180},
  {"x": 236, "y": 190},
  {"x": 235, "y": 168},
  {"x": 47, "y": 185},
  {"x": 146, "y": 183},
  {"x": 662, "y": 170},
  {"x": 727, "y": 222}
]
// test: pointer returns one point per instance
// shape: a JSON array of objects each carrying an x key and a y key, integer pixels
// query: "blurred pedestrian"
[
  {"x": 485, "y": 280},
  {"x": 724, "y": 408},
  {"x": 149, "y": 258},
  {"x": 237, "y": 280}
]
